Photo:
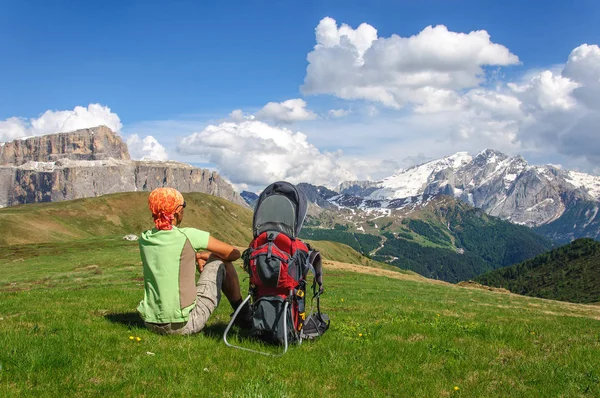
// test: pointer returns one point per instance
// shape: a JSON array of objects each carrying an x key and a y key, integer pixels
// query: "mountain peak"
[
  {"x": 459, "y": 158},
  {"x": 491, "y": 155},
  {"x": 414, "y": 180}
]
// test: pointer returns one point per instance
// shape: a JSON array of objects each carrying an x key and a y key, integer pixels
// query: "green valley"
[{"x": 446, "y": 239}]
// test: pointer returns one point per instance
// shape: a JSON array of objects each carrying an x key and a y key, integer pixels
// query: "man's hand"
[
  {"x": 218, "y": 249},
  {"x": 202, "y": 258}
]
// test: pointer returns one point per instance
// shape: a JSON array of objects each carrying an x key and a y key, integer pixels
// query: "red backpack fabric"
[
  {"x": 278, "y": 266},
  {"x": 275, "y": 267}
]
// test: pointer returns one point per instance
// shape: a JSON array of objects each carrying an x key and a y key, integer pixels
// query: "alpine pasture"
[{"x": 69, "y": 286}]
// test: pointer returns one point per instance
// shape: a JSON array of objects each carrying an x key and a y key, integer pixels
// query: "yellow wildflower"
[
  {"x": 342, "y": 300},
  {"x": 130, "y": 337},
  {"x": 437, "y": 314},
  {"x": 138, "y": 339},
  {"x": 360, "y": 335},
  {"x": 456, "y": 388}
]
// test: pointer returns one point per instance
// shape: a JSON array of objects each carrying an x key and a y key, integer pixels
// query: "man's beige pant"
[{"x": 208, "y": 297}]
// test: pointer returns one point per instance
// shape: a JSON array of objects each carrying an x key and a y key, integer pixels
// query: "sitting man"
[{"x": 173, "y": 303}]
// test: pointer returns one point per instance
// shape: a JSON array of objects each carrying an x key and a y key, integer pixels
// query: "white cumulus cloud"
[
  {"x": 552, "y": 110},
  {"x": 147, "y": 148},
  {"x": 546, "y": 92},
  {"x": 289, "y": 111},
  {"x": 583, "y": 67},
  {"x": 255, "y": 153},
  {"x": 394, "y": 71},
  {"x": 336, "y": 113},
  {"x": 59, "y": 121},
  {"x": 13, "y": 128},
  {"x": 238, "y": 115}
]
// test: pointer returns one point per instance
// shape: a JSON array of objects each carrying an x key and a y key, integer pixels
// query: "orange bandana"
[{"x": 163, "y": 203}]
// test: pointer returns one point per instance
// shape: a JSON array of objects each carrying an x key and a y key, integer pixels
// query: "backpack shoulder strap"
[
  {"x": 316, "y": 323},
  {"x": 316, "y": 266}
]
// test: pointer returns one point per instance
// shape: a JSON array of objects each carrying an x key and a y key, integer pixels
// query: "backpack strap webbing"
[
  {"x": 316, "y": 266},
  {"x": 316, "y": 323}
]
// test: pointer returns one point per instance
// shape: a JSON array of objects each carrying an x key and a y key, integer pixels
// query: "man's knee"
[
  {"x": 211, "y": 281},
  {"x": 212, "y": 258}
]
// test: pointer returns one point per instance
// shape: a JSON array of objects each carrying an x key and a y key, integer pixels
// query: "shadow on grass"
[
  {"x": 129, "y": 319},
  {"x": 216, "y": 330}
]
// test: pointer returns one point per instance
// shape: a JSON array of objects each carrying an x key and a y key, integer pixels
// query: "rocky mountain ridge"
[
  {"x": 97, "y": 143},
  {"x": 502, "y": 186},
  {"x": 92, "y": 162}
]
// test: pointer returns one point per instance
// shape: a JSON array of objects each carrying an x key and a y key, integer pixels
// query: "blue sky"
[
  {"x": 168, "y": 70},
  {"x": 149, "y": 59}
]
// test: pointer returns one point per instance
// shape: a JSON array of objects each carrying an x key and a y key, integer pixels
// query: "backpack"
[{"x": 278, "y": 263}]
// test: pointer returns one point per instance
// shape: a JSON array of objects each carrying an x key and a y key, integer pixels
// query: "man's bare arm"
[{"x": 224, "y": 251}]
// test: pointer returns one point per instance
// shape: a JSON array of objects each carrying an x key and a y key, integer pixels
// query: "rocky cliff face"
[
  {"x": 358, "y": 188},
  {"x": 318, "y": 195},
  {"x": 580, "y": 220},
  {"x": 95, "y": 143},
  {"x": 511, "y": 189},
  {"x": 94, "y": 162}
]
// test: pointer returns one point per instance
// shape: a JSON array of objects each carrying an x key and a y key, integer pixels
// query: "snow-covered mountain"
[
  {"x": 414, "y": 181},
  {"x": 585, "y": 181},
  {"x": 502, "y": 186}
]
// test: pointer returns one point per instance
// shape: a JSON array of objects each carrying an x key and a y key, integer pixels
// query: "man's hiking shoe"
[{"x": 244, "y": 318}]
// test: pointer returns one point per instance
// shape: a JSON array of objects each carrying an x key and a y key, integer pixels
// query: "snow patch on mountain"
[
  {"x": 582, "y": 180},
  {"x": 548, "y": 201},
  {"x": 412, "y": 182}
]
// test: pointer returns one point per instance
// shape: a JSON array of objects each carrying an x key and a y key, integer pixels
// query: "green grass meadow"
[{"x": 67, "y": 313}]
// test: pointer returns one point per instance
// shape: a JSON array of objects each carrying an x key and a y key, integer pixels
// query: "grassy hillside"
[
  {"x": 569, "y": 273},
  {"x": 118, "y": 214},
  {"x": 68, "y": 313},
  {"x": 83, "y": 221},
  {"x": 447, "y": 239}
]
